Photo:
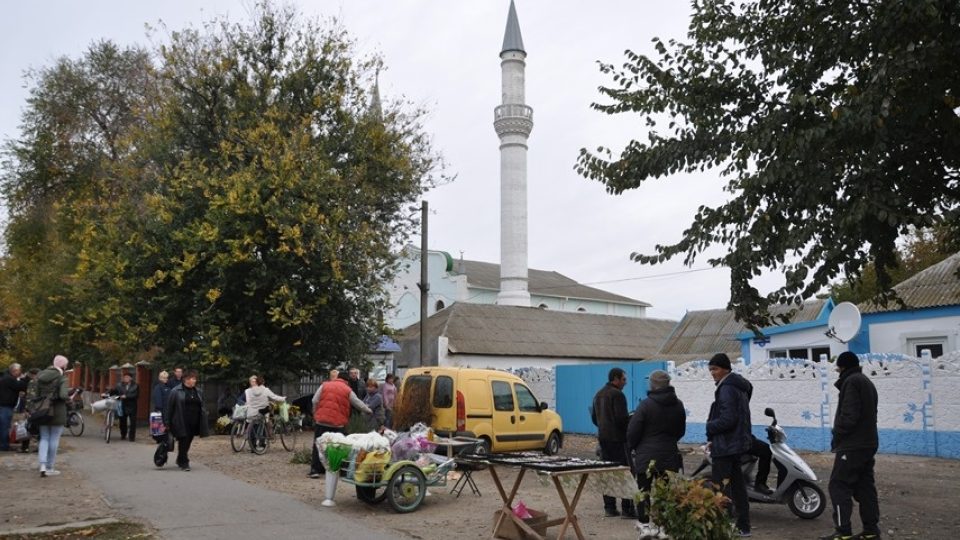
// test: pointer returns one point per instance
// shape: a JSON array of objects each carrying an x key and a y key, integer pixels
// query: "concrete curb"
[{"x": 62, "y": 527}]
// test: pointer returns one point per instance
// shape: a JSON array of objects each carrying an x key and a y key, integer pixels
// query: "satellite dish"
[{"x": 844, "y": 322}]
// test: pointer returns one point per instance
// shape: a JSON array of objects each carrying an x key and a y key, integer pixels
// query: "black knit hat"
[
  {"x": 847, "y": 360},
  {"x": 721, "y": 360}
]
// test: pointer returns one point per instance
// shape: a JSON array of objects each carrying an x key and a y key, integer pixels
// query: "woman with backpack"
[{"x": 53, "y": 383}]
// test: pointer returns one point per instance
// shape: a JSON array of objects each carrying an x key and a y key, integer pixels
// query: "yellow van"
[{"x": 494, "y": 406}]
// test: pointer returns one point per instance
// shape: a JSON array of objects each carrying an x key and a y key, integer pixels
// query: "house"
[
  {"x": 478, "y": 282},
  {"x": 929, "y": 319}
]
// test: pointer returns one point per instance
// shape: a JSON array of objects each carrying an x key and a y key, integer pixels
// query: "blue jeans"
[
  {"x": 6, "y": 418},
  {"x": 49, "y": 443}
]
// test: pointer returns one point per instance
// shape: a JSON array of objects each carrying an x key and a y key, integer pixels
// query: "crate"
[{"x": 509, "y": 530}]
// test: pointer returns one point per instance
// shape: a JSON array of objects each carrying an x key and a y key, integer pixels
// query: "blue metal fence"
[{"x": 576, "y": 386}]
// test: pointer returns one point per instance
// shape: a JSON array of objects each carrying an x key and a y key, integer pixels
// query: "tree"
[
  {"x": 835, "y": 125},
  {"x": 250, "y": 222}
]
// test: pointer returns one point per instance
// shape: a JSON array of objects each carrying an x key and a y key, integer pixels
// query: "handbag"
[
  {"x": 160, "y": 456},
  {"x": 21, "y": 430},
  {"x": 40, "y": 408}
]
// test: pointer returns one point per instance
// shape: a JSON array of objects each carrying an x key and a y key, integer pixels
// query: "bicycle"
[
  {"x": 111, "y": 414},
  {"x": 289, "y": 432},
  {"x": 74, "y": 416},
  {"x": 238, "y": 435}
]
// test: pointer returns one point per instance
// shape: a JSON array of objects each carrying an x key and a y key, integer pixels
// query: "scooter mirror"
[{"x": 769, "y": 412}]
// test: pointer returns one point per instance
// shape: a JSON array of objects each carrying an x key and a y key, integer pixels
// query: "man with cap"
[
  {"x": 659, "y": 422},
  {"x": 855, "y": 442},
  {"x": 728, "y": 430},
  {"x": 609, "y": 414}
]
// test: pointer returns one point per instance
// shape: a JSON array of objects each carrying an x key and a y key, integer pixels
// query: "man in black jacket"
[
  {"x": 728, "y": 430},
  {"x": 128, "y": 392},
  {"x": 855, "y": 442},
  {"x": 610, "y": 416},
  {"x": 659, "y": 422},
  {"x": 11, "y": 385}
]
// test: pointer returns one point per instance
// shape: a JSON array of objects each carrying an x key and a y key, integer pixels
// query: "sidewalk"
[{"x": 202, "y": 503}]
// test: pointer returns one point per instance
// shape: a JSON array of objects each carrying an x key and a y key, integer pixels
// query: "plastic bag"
[
  {"x": 520, "y": 510},
  {"x": 419, "y": 430},
  {"x": 284, "y": 411},
  {"x": 239, "y": 412},
  {"x": 156, "y": 424},
  {"x": 336, "y": 454},
  {"x": 405, "y": 448},
  {"x": 102, "y": 405},
  {"x": 371, "y": 466}
]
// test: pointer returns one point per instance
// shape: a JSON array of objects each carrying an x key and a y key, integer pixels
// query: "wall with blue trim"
[{"x": 918, "y": 410}]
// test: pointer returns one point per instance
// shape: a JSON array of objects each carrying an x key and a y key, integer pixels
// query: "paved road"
[{"x": 202, "y": 503}]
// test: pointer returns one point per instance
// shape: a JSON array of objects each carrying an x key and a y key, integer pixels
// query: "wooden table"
[{"x": 569, "y": 505}]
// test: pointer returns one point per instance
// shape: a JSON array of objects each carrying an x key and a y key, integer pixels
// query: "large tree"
[
  {"x": 835, "y": 124},
  {"x": 251, "y": 225}
]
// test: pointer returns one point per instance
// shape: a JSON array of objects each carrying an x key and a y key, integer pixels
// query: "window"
[
  {"x": 526, "y": 399},
  {"x": 811, "y": 353},
  {"x": 440, "y": 305},
  {"x": 934, "y": 345},
  {"x": 418, "y": 387},
  {"x": 799, "y": 353},
  {"x": 443, "y": 393},
  {"x": 817, "y": 352},
  {"x": 777, "y": 354},
  {"x": 502, "y": 396}
]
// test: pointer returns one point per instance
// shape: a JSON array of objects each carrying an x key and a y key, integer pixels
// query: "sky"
[{"x": 443, "y": 56}]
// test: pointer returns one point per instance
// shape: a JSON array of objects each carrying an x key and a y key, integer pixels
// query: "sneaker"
[
  {"x": 837, "y": 536},
  {"x": 610, "y": 512},
  {"x": 314, "y": 475},
  {"x": 867, "y": 536},
  {"x": 745, "y": 534},
  {"x": 763, "y": 489},
  {"x": 185, "y": 468},
  {"x": 52, "y": 472}
]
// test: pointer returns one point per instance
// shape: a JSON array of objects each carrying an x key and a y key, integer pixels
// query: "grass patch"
[
  {"x": 302, "y": 457},
  {"x": 123, "y": 530}
]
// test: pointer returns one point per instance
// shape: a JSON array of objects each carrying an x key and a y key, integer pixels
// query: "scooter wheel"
[{"x": 806, "y": 500}]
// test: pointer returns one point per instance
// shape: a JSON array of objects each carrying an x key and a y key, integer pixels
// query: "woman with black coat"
[
  {"x": 186, "y": 417},
  {"x": 655, "y": 428}
]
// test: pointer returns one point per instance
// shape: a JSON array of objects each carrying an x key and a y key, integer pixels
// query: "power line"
[{"x": 638, "y": 278}]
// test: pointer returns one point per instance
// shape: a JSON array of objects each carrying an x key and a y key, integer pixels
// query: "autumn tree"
[{"x": 836, "y": 126}]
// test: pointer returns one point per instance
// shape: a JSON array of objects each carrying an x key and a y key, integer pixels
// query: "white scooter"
[{"x": 796, "y": 481}]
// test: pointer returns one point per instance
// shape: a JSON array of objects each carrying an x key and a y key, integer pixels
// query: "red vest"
[{"x": 333, "y": 409}]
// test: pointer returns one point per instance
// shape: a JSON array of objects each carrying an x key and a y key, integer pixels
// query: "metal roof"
[
  {"x": 512, "y": 40},
  {"x": 700, "y": 334},
  {"x": 938, "y": 285},
  {"x": 485, "y": 329},
  {"x": 487, "y": 276}
]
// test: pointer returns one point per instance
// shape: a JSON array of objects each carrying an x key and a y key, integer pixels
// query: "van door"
[
  {"x": 504, "y": 417},
  {"x": 531, "y": 424}
]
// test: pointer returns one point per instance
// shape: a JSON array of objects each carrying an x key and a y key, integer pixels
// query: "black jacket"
[
  {"x": 655, "y": 427},
  {"x": 728, "y": 426},
  {"x": 175, "y": 417},
  {"x": 10, "y": 389},
  {"x": 129, "y": 402},
  {"x": 855, "y": 424},
  {"x": 161, "y": 392},
  {"x": 610, "y": 414}
]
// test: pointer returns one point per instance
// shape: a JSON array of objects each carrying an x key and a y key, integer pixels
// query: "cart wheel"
[
  {"x": 406, "y": 489},
  {"x": 371, "y": 495}
]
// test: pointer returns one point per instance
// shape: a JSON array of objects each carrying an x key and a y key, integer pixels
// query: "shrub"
[
  {"x": 302, "y": 456},
  {"x": 222, "y": 425},
  {"x": 687, "y": 509},
  {"x": 412, "y": 406}
]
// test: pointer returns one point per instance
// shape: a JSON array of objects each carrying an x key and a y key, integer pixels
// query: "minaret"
[{"x": 513, "y": 121}]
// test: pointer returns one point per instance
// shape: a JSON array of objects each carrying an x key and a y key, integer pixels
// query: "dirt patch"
[
  {"x": 917, "y": 497},
  {"x": 123, "y": 530},
  {"x": 31, "y": 501}
]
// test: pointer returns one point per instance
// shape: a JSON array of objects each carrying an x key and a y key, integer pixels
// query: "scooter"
[{"x": 796, "y": 481}]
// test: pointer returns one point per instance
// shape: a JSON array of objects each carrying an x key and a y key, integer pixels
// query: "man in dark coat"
[
  {"x": 11, "y": 385},
  {"x": 655, "y": 428},
  {"x": 128, "y": 392},
  {"x": 176, "y": 378},
  {"x": 185, "y": 416},
  {"x": 728, "y": 430},
  {"x": 609, "y": 414},
  {"x": 855, "y": 442}
]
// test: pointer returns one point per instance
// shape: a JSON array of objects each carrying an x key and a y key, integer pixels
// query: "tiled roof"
[
  {"x": 521, "y": 331},
  {"x": 700, "y": 334},
  {"x": 936, "y": 286},
  {"x": 487, "y": 276}
]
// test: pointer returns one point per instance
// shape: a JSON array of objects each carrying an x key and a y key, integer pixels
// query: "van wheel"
[
  {"x": 553, "y": 445},
  {"x": 483, "y": 448}
]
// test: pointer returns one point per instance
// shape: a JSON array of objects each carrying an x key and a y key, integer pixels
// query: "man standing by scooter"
[
  {"x": 728, "y": 430},
  {"x": 855, "y": 442}
]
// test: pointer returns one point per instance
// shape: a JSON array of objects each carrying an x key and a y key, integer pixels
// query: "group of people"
[
  {"x": 648, "y": 441},
  {"x": 343, "y": 393}
]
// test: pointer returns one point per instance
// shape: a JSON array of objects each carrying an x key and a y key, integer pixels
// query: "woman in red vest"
[{"x": 331, "y": 412}]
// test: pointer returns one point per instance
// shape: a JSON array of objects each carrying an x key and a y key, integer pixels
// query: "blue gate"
[{"x": 576, "y": 386}]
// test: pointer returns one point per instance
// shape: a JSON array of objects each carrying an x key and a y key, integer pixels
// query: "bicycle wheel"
[
  {"x": 75, "y": 423},
  {"x": 259, "y": 439},
  {"x": 238, "y": 435},
  {"x": 289, "y": 433},
  {"x": 108, "y": 427}
]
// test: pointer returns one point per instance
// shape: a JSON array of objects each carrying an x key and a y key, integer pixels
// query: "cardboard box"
[{"x": 509, "y": 530}]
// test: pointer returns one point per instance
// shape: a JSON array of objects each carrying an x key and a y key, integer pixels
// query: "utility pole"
[{"x": 423, "y": 285}]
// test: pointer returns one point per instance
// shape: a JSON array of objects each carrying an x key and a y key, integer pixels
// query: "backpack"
[{"x": 40, "y": 408}]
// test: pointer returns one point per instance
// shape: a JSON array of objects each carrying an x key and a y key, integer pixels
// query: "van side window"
[
  {"x": 502, "y": 396},
  {"x": 525, "y": 399},
  {"x": 443, "y": 392}
]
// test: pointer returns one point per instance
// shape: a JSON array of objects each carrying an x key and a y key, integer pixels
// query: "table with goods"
[{"x": 517, "y": 521}]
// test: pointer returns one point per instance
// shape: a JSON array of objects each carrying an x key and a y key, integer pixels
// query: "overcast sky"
[{"x": 443, "y": 55}]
